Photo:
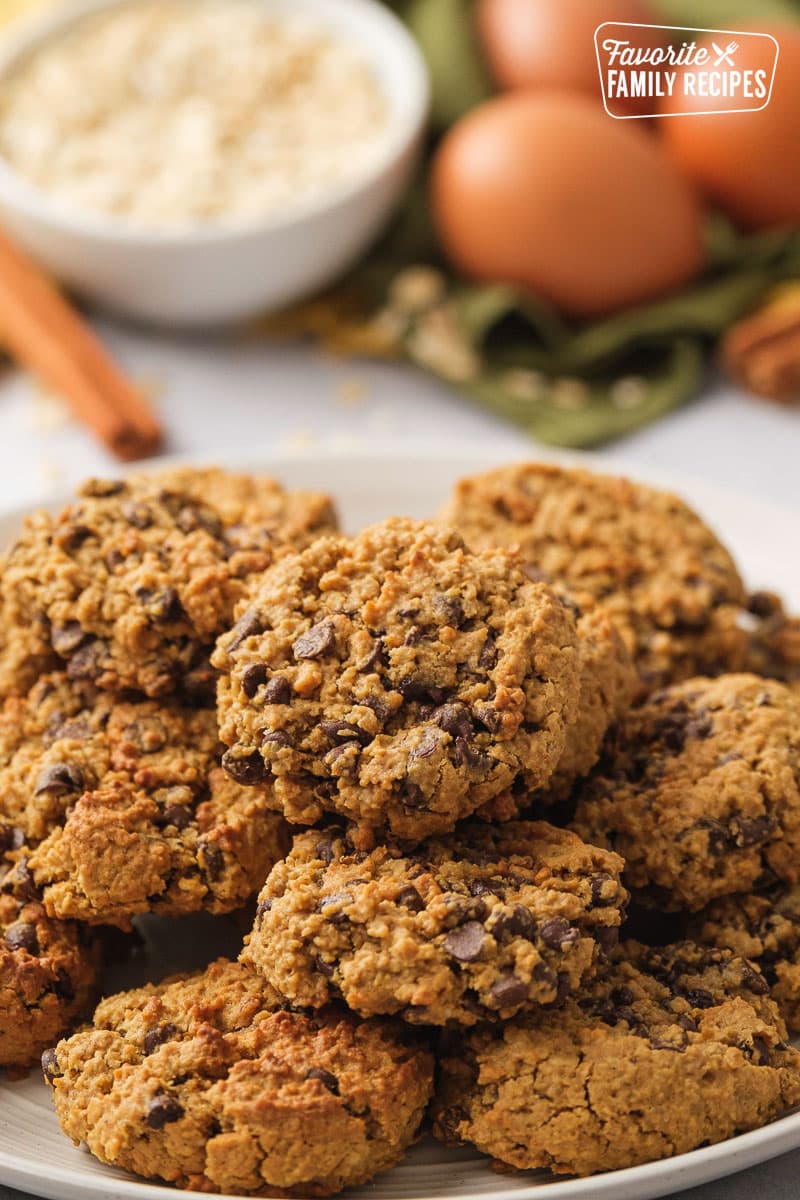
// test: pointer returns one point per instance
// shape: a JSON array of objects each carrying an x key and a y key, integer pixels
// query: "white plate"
[{"x": 34, "y": 1156}]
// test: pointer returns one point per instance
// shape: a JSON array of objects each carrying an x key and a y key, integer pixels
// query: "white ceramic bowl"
[{"x": 215, "y": 274}]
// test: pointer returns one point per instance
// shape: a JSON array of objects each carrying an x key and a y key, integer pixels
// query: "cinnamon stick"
[{"x": 45, "y": 334}]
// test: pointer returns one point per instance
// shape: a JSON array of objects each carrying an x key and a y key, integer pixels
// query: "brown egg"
[
  {"x": 544, "y": 190},
  {"x": 550, "y": 43},
  {"x": 747, "y": 162}
]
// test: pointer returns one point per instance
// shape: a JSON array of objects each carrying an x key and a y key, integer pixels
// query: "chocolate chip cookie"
[
  {"x": 699, "y": 790},
  {"x": 656, "y": 568},
  {"x": 48, "y": 977},
  {"x": 200, "y": 1082},
  {"x": 135, "y": 579},
  {"x": 666, "y": 1051},
  {"x": 765, "y": 929},
  {"x": 397, "y": 679},
  {"x": 121, "y": 806},
  {"x": 472, "y": 927}
]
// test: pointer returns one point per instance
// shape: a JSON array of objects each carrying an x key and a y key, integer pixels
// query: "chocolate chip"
[
  {"x": 379, "y": 706},
  {"x": 468, "y": 755},
  {"x": 337, "y": 902},
  {"x": 277, "y": 737},
  {"x": 556, "y": 932},
  {"x": 414, "y": 636},
  {"x": 749, "y": 831},
  {"x": 22, "y": 936},
  {"x": 50, "y": 1067},
  {"x": 686, "y": 1022},
  {"x": 345, "y": 732},
  {"x": 263, "y": 907},
  {"x": 193, "y": 516},
  {"x": 324, "y": 968},
  {"x": 507, "y": 990},
  {"x": 253, "y": 677},
  {"x": 599, "y": 882},
  {"x": 325, "y": 848},
  {"x": 138, "y": 514},
  {"x": 212, "y": 859},
  {"x": 466, "y": 942},
  {"x": 163, "y": 1110},
  {"x": 319, "y": 640},
  {"x": 454, "y": 719},
  {"x": 410, "y": 898},
  {"x": 72, "y": 536},
  {"x": 114, "y": 559},
  {"x": 377, "y": 657},
  {"x": 158, "y": 1035},
  {"x": 147, "y": 734},
  {"x": 761, "y": 1051},
  {"x": 247, "y": 626},
  {"x": 87, "y": 660},
  {"x": 167, "y": 606},
  {"x": 449, "y": 609},
  {"x": 67, "y": 638},
  {"x": 753, "y": 980},
  {"x": 247, "y": 769},
  {"x": 278, "y": 690},
  {"x": 325, "y": 1078},
  {"x": 489, "y": 717},
  {"x": 11, "y": 838},
  {"x": 178, "y": 815},
  {"x": 60, "y": 779},
  {"x": 199, "y": 685},
  {"x": 487, "y": 659},
  {"x": 448, "y": 1122},
  {"x": 415, "y": 690},
  {"x": 517, "y": 923},
  {"x": 428, "y": 744},
  {"x": 606, "y": 937},
  {"x": 659, "y": 1043},
  {"x": 698, "y": 997}
]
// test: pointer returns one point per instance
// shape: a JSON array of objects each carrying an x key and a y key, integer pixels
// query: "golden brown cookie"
[
  {"x": 48, "y": 976},
  {"x": 123, "y": 807},
  {"x": 651, "y": 562},
  {"x": 699, "y": 790},
  {"x": 199, "y": 1081},
  {"x": 472, "y": 927},
  {"x": 134, "y": 579},
  {"x": 397, "y": 679},
  {"x": 667, "y": 1050},
  {"x": 766, "y": 929}
]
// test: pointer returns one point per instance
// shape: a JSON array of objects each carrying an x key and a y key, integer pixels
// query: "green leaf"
[{"x": 447, "y": 37}]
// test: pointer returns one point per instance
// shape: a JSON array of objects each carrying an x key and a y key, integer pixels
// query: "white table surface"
[{"x": 213, "y": 394}]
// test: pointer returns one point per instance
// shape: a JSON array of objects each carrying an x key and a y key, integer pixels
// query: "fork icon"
[{"x": 725, "y": 54}]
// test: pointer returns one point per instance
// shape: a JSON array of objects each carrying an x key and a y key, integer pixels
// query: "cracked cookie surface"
[
  {"x": 397, "y": 679},
  {"x": 699, "y": 790},
  {"x": 472, "y": 927},
  {"x": 133, "y": 580},
  {"x": 667, "y": 1050},
  {"x": 766, "y": 929},
  {"x": 118, "y": 806},
  {"x": 48, "y": 977},
  {"x": 199, "y": 1081},
  {"x": 657, "y": 569}
]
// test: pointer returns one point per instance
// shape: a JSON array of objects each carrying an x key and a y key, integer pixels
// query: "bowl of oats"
[{"x": 197, "y": 162}]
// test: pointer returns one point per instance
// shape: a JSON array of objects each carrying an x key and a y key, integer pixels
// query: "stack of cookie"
[{"x": 447, "y": 753}]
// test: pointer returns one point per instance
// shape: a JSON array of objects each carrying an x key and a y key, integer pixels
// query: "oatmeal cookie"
[
  {"x": 766, "y": 929},
  {"x": 667, "y": 1050},
  {"x": 121, "y": 806},
  {"x": 134, "y": 580},
  {"x": 699, "y": 790},
  {"x": 774, "y": 646},
  {"x": 202, "y": 1083},
  {"x": 48, "y": 977},
  {"x": 472, "y": 927},
  {"x": 656, "y": 568},
  {"x": 396, "y": 679}
]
